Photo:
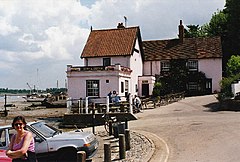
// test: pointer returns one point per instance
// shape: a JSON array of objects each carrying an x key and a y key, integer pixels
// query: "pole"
[
  {"x": 122, "y": 146},
  {"x": 5, "y": 105},
  {"x": 93, "y": 118},
  {"x": 81, "y": 156},
  {"x": 107, "y": 152},
  {"x": 127, "y": 139},
  {"x": 86, "y": 105}
]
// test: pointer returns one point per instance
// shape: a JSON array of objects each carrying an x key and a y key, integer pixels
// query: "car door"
[
  {"x": 3, "y": 139},
  {"x": 41, "y": 145}
]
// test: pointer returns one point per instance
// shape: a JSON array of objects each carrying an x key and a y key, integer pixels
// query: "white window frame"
[
  {"x": 92, "y": 88},
  {"x": 192, "y": 65},
  {"x": 165, "y": 66}
]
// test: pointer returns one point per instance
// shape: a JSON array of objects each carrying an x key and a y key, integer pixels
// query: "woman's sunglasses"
[{"x": 18, "y": 124}]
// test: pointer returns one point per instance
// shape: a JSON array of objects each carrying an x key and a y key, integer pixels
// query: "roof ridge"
[{"x": 115, "y": 28}]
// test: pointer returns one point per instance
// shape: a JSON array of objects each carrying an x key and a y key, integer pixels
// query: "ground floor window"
[
  {"x": 92, "y": 88},
  {"x": 122, "y": 87},
  {"x": 192, "y": 86},
  {"x": 126, "y": 86}
]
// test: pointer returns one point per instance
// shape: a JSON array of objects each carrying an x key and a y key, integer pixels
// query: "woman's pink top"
[{"x": 17, "y": 146}]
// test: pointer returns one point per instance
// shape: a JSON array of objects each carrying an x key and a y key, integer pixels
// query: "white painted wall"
[
  {"x": 77, "y": 82},
  {"x": 150, "y": 80},
  {"x": 212, "y": 69},
  {"x": 136, "y": 65}
]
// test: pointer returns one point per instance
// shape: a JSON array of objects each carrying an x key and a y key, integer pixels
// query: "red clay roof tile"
[
  {"x": 110, "y": 42},
  {"x": 191, "y": 48}
]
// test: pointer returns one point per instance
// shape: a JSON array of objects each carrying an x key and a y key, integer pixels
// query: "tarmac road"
[{"x": 188, "y": 131}]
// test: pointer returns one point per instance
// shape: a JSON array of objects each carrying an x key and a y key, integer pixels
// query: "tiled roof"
[
  {"x": 191, "y": 48},
  {"x": 110, "y": 42}
]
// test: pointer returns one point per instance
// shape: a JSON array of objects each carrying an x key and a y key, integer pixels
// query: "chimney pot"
[
  {"x": 120, "y": 25},
  {"x": 181, "y": 32}
]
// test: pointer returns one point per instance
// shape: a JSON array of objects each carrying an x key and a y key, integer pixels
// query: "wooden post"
[
  {"x": 110, "y": 128},
  {"x": 5, "y": 106},
  {"x": 126, "y": 123},
  {"x": 93, "y": 118},
  {"x": 130, "y": 104},
  {"x": 81, "y": 156},
  {"x": 107, "y": 152},
  {"x": 107, "y": 104},
  {"x": 127, "y": 139},
  {"x": 122, "y": 146},
  {"x": 79, "y": 106},
  {"x": 86, "y": 105}
]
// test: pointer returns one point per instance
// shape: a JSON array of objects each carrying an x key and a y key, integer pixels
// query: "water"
[{"x": 12, "y": 98}]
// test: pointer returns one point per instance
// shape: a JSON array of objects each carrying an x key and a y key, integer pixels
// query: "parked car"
[
  {"x": 3, "y": 157},
  {"x": 53, "y": 144}
]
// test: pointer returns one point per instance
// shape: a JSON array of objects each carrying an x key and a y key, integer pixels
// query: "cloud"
[{"x": 49, "y": 34}]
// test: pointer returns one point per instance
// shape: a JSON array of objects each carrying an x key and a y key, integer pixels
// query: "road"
[{"x": 192, "y": 132}]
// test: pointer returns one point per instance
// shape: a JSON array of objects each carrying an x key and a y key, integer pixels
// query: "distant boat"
[
  {"x": 34, "y": 97},
  {"x": 57, "y": 100}
]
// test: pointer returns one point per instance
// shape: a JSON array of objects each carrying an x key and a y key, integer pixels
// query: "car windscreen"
[{"x": 44, "y": 129}]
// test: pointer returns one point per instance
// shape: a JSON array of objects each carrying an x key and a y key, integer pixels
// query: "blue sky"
[{"x": 38, "y": 39}]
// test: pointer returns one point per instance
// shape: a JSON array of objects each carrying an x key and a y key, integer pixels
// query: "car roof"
[{"x": 29, "y": 123}]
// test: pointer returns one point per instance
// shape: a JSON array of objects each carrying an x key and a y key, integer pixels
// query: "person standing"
[
  {"x": 22, "y": 146},
  {"x": 110, "y": 96},
  {"x": 137, "y": 103}
]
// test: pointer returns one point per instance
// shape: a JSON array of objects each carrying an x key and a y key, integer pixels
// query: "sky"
[{"x": 39, "y": 38}]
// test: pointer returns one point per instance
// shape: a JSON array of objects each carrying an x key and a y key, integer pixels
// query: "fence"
[{"x": 102, "y": 105}]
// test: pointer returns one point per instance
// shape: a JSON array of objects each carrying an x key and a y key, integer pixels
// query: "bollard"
[
  {"x": 107, "y": 152},
  {"x": 122, "y": 146},
  {"x": 126, "y": 123},
  {"x": 81, "y": 156},
  {"x": 127, "y": 139},
  {"x": 110, "y": 128}
]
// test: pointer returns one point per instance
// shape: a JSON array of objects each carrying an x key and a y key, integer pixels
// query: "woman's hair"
[{"x": 21, "y": 118}]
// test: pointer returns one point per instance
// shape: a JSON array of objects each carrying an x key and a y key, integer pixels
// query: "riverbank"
[{"x": 141, "y": 146}]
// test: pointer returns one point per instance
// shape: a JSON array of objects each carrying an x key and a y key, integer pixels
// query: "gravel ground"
[{"x": 140, "y": 145}]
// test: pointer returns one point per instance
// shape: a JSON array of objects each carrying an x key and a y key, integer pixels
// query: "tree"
[
  {"x": 233, "y": 65},
  {"x": 217, "y": 25},
  {"x": 232, "y": 42}
]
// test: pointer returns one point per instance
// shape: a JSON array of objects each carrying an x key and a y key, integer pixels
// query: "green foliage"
[
  {"x": 217, "y": 25},
  {"x": 156, "y": 89},
  {"x": 226, "y": 91},
  {"x": 233, "y": 65},
  {"x": 233, "y": 73}
]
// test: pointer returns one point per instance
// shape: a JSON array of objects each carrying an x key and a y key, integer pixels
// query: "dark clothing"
[{"x": 31, "y": 158}]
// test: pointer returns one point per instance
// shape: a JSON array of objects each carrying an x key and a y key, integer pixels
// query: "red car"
[{"x": 3, "y": 157}]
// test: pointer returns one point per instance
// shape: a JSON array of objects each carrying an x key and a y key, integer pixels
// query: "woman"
[{"x": 21, "y": 147}]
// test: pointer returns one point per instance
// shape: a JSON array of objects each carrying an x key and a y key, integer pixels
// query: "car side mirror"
[{"x": 37, "y": 139}]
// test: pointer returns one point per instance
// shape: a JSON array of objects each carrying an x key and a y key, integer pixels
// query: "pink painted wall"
[
  {"x": 98, "y": 61},
  {"x": 155, "y": 69},
  {"x": 212, "y": 69}
]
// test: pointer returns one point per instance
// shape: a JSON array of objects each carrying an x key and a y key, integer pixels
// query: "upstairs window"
[
  {"x": 92, "y": 88},
  {"x": 192, "y": 65},
  {"x": 106, "y": 61},
  {"x": 165, "y": 66}
]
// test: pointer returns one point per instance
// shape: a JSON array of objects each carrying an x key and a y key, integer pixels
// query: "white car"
[{"x": 53, "y": 145}]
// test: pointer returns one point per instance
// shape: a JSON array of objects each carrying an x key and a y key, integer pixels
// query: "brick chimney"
[
  {"x": 181, "y": 32},
  {"x": 120, "y": 26}
]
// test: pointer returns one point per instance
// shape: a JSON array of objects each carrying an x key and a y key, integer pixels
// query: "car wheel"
[{"x": 67, "y": 155}]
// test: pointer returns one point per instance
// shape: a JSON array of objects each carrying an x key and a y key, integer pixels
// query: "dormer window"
[
  {"x": 106, "y": 61},
  {"x": 192, "y": 65}
]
